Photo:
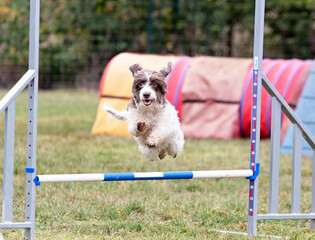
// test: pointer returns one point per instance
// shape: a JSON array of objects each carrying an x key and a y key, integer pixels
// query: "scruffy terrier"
[{"x": 152, "y": 119}]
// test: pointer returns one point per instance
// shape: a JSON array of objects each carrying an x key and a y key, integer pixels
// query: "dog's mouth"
[{"x": 147, "y": 102}]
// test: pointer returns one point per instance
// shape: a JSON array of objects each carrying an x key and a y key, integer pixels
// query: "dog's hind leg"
[
  {"x": 149, "y": 153},
  {"x": 176, "y": 145},
  {"x": 174, "y": 148},
  {"x": 162, "y": 154}
]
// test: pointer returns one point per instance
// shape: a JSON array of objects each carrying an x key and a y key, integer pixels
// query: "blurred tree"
[
  {"x": 78, "y": 37},
  {"x": 291, "y": 29}
]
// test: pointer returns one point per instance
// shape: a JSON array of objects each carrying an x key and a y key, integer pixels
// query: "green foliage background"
[{"x": 78, "y": 37}]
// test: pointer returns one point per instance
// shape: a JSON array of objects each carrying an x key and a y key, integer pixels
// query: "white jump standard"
[{"x": 249, "y": 174}]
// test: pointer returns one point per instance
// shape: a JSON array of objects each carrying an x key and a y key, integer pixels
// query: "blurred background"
[{"x": 79, "y": 37}]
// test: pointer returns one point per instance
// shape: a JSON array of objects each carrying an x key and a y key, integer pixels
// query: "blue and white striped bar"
[{"x": 142, "y": 176}]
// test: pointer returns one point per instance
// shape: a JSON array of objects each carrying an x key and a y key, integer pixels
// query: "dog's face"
[{"x": 149, "y": 87}]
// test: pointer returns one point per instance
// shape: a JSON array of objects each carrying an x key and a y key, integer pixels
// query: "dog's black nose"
[{"x": 146, "y": 95}]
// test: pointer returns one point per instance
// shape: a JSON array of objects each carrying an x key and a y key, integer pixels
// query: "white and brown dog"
[{"x": 152, "y": 120}]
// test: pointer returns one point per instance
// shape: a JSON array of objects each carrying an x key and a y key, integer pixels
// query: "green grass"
[{"x": 180, "y": 209}]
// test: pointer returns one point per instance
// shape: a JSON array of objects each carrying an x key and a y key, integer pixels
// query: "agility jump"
[
  {"x": 109, "y": 177},
  {"x": 30, "y": 79}
]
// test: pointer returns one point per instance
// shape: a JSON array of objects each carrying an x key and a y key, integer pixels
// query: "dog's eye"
[
  {"x": 140, "y": 85},
  {"x": 154, "y": 84}
]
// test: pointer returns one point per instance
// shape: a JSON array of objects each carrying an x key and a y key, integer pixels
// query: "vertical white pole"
[
  {"x": 255, "y": 121},
  {"x": 296, "y": 169},
  {"x": 32, "y": 118},
  {"x": 274, "y": 156},
  {"x": 8, "y": 163}
]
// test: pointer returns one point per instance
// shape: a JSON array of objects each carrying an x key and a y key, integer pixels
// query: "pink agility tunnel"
[
  {"x": 288, "y": 76},
  {"x": 211, "y": 97},
  {"x": 175, "y": 81}
]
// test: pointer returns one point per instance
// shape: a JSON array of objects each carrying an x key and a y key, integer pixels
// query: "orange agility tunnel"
[{"x": 116, "y": 85}]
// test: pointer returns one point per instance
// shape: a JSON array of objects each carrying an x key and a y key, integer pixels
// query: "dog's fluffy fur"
[{"x": 152, "y": 120}]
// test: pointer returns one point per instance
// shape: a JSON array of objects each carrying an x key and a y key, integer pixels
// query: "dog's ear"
[
  {"x": 167, "y": 70},
  {"x": 135, "y": 68}
]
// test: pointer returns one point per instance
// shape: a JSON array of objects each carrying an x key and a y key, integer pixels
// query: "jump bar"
[{"x": 144, "y": 176}]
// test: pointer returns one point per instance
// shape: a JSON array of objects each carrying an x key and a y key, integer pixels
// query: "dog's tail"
[{"x": 120, "y": 115}]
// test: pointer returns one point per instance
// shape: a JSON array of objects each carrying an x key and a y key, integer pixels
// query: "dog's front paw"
[
  {"x": 141, "y": 126},
  {"x": 152, "y": 142},
  {"x": 151, "y": 145}
]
